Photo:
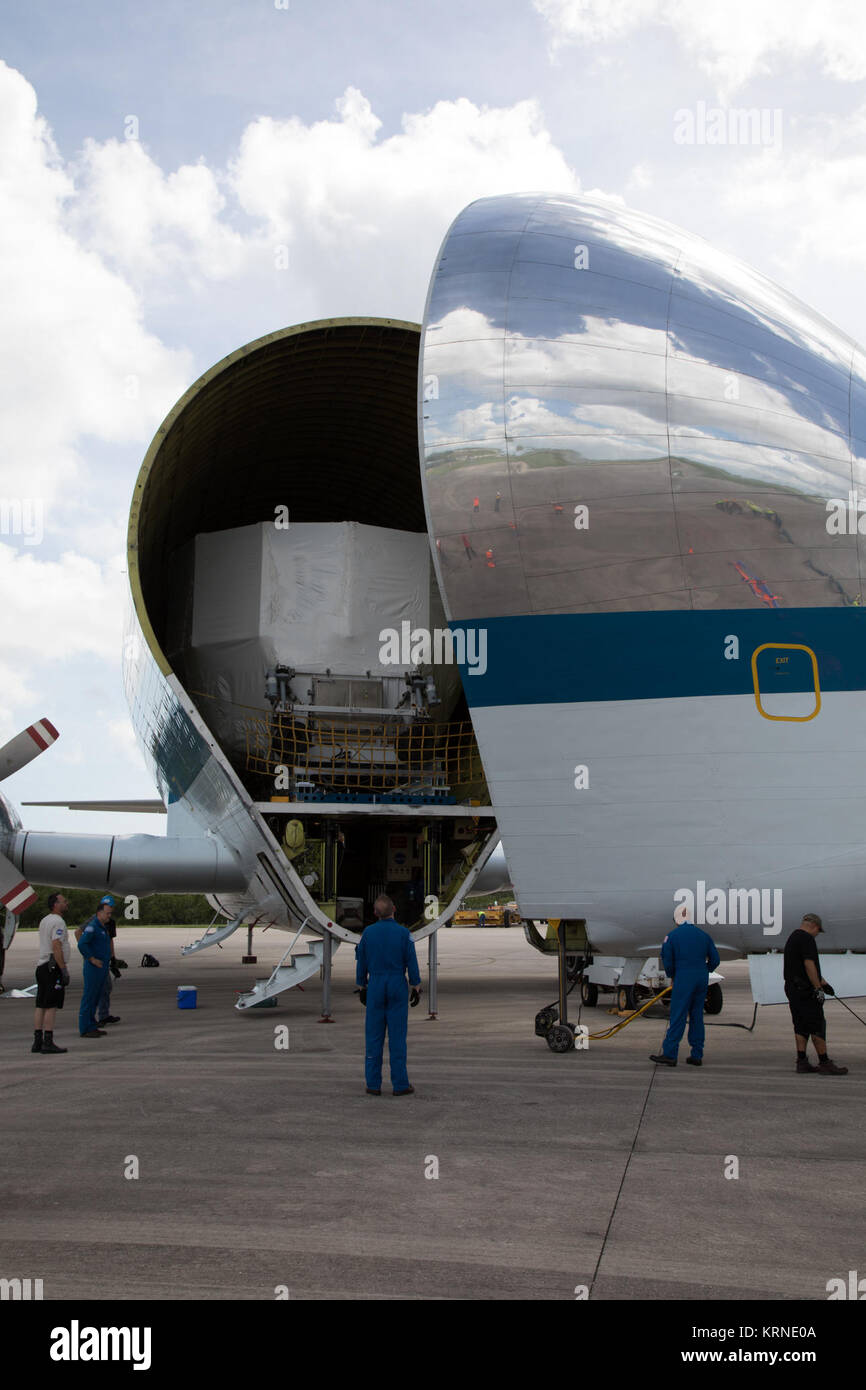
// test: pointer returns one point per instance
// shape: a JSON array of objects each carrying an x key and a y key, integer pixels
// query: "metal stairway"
[
  {"x": 285, "y": 976},
  {"x": 212, "y": 937}
]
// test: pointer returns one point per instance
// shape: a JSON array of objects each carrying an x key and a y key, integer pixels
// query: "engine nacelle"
[{"x": 140, "y": 864}]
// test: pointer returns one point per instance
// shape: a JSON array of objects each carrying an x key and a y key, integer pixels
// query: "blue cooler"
[{"x": 186, "y": 996}]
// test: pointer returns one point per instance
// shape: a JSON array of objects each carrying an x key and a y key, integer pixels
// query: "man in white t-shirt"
[{"x": 52, "y": 974}]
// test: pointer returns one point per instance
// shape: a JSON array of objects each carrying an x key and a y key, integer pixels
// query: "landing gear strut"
[{"x": 552, "y": 1023}]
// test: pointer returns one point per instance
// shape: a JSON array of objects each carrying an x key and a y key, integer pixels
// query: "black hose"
[
  {"x": 747, "y": 1027},
  {"x": 848, "y": 1007}
]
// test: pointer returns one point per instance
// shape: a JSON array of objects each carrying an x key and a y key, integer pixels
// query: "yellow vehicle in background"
[{"x": 496, "y": 915}]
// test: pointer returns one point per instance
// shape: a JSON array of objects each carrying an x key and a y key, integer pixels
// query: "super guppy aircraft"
[{"x": 638, "y": 464}]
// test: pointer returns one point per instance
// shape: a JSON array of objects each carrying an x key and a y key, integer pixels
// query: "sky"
[{"x": 176, "y": 180}]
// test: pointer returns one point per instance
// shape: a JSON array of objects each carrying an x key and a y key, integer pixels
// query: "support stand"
[
  {"x": 249, "y": 958},
  {"x": 433, "y": 974},
  {"x": 327, "y": 942},
  {"x": 563, "y": 973}
]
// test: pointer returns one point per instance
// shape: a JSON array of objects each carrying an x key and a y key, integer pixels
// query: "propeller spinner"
[{"x": 16, "y": 894}]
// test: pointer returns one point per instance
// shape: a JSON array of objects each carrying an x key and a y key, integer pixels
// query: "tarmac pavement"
[{"x": 266, "y": 1171}]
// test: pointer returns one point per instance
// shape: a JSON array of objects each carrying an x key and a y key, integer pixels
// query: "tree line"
[{"x": 160, "y": 909}]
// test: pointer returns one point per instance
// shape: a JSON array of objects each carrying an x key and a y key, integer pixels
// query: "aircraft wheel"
[
  {"x": 561, "y": 1038},
  {"x": 713, "y": 1002},
  {"x": 544, "y": 1021},
  {"x": 626, "y": 997},
  {"x": 589, "y": 993}
]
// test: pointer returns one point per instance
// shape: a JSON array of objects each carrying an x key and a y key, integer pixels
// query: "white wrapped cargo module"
[{"x": 315, "y": 596}]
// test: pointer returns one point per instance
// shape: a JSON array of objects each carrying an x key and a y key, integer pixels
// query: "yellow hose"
[{"x": 623, "y": 1023}]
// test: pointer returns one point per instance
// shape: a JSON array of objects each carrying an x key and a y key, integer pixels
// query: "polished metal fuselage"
[{"x": 642, "y": 468}]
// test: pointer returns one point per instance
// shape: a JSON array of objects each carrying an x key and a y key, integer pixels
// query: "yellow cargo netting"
[{"x": 372, "y": 756}]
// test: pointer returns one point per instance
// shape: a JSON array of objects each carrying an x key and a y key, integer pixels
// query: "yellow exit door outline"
[{"x": 786, "y": 647}]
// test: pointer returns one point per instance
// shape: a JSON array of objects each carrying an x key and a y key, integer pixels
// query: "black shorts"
[
  {"x": 50, "y": 993},
  {"x": 807, "y": 1013}
]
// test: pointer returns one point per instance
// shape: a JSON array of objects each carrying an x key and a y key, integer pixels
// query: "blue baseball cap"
[{"x": 107, "y": 901}]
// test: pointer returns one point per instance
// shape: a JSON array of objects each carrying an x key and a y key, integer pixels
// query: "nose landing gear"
[{"x": 552, "y": 1023}]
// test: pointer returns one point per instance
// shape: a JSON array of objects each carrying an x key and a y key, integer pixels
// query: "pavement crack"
[{"x": 622, "y": 1182}]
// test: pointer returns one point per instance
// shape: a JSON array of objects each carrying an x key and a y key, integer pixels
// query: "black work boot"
[
  {"x": 804, "y": 1065},
  {"x": 37, "y": 1040},
  {"x": 49, "y": 1045},
  {"x": 829, "y": 1068}
]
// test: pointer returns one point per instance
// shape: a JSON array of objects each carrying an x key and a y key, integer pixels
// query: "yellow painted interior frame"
[{"x": 786, "y": 647}]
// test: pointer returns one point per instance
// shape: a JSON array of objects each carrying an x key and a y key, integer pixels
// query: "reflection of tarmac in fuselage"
[{"x": 636, "y": 551}]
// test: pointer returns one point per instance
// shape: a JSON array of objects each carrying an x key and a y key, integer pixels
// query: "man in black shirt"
[{"x": 805, "y": 989}]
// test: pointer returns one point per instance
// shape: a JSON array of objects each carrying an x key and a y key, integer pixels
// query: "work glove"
[
  {"x": 121, "y": 964},
  {"x": 819, "y": 996},
  {"x": 64, "y": 977},
  {"x": 114, "y": 968},
  {"x": 362, "y": 995},
  {"x": 414, "y": 995},
  {"x": 828, "y": 989}
]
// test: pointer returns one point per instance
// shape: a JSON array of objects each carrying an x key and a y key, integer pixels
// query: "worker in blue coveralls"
[
  {"x": 384, "y": 954},
  {"x": 688, "y": 956},
  {"x": 94, "y": 943}
]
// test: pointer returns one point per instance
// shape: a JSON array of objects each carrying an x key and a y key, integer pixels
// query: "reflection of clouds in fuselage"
[
  {"x": 530, "y": 416},
  {"x": 759, "y": 333},
  {"x": 656, "y": 380},
  {"x": 705, "y": 381},
  {"x": 769, "y": 413},
  {"x": 706, "y": 272},
  {"x": 538, "y": 355},
  {"x": 474, "y": 423},
  {"x": 738, "y": 424},
  {"x": 460, "y": 326},
  {"x": 735, "y": 462}
]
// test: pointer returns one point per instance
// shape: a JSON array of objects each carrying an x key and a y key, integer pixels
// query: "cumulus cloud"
[
  {"x": 54, "y": 613},
  {"x": 123, "y": 739},
  {"x": 57, "y": 610},
  {"x": 811, "y": 204},
  {"x": 75, "y": 357},
  {"x": 731, "y": 40},
  {"x": 362, "y": 217},
  {"x": 152, "y": 223},
  {"x": 87, "y": 242},
  {"x": 351, "y": 220}
]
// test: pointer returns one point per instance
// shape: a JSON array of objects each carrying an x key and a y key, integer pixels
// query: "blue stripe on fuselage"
[{"x": 572, "y": 657}]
